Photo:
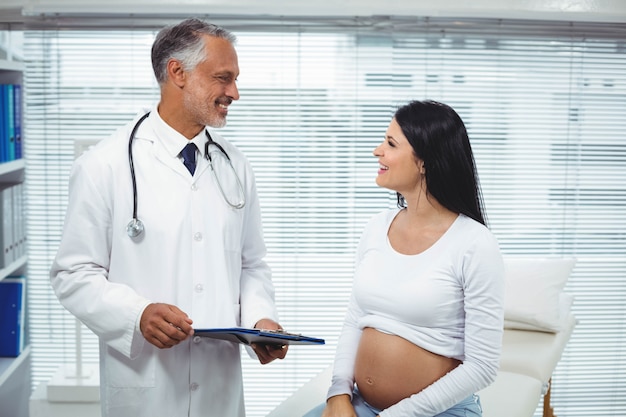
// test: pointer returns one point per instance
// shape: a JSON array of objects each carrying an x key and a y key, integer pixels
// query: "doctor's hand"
[
  {"x": 165, "y": 325},
  {"x": 267, "y": 352}
]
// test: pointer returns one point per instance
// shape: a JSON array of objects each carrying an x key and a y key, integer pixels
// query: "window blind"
[{"x": 544, "y": 104}]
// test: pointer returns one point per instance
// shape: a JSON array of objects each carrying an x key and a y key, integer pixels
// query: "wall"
[{"x": 570, "y": 10}]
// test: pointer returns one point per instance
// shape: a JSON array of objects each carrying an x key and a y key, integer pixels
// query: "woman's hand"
[{"x": 339, "y": 406}]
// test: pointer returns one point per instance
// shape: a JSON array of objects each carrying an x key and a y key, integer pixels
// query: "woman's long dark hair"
[{"x": 439, "y": 138}]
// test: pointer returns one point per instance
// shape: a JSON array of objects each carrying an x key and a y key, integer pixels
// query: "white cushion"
[
  {"x": 533, "y": 288},
  {"x": 565, "y": 305},
  {"x": 511, "y": 395},
  {"x": 535, "y": 354}
]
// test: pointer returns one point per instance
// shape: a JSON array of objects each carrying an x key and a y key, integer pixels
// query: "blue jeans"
[{"x": 469, "y": 407}]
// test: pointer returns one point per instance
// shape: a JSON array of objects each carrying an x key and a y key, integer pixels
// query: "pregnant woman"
[{"x": 423, "y": 329}]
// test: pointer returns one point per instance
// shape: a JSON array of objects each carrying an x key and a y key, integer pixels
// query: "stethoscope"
[{"x": 135, "y": 227}]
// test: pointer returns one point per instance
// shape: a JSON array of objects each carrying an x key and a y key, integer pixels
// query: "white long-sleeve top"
[
  {"x": 197, "y": 253},
  {"x": 447, "y": 300}
]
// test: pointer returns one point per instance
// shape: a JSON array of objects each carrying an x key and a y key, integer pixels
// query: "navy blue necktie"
[{"x": 189, "y": 157}]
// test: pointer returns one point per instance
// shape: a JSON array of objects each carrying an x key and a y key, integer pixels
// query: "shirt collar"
[{"x": 171, "y": 139}]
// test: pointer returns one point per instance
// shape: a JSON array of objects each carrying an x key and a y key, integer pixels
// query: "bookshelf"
[{"x": 15, "y": 372}]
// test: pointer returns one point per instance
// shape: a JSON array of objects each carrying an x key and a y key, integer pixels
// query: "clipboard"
[{"x": 248, "y": 336}]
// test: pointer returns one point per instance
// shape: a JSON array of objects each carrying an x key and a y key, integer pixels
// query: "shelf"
[
  {"x": 13, "y": 267},
  {"x": 11, "y": 72},
  {"x": 15, "y": 372},
  {"x": 9, "y": 365},
  {"x": 12, "y": 171},
  {"x": 6, "y": 65}
]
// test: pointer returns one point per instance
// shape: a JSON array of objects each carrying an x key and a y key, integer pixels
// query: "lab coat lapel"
[
  {"x": 163, "y": 153},
  {"x": 175, "y": 164},
  {"x": 163, "y": 156},
  {"x": 201, "y": 165}
]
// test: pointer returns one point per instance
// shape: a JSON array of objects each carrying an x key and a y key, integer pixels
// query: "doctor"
[{"x": 197, "y": 259}]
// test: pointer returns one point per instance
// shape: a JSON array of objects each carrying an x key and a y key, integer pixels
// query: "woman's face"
[{"x": 400, "y": 170}]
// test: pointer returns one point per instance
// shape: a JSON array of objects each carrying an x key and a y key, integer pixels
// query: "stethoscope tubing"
[
  {"x": 131, "y": 163},
  {"x": 210, "y": 141},
  {"x": 135, "y": 227}
]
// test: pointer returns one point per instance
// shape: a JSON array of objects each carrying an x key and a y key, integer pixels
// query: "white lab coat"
[{"x": 197, "y": 253}]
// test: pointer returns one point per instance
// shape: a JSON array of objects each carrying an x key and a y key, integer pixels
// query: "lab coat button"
[
  {"x": 194, "y": 187},
  {"x": 197, "y": 339},
  {"x": 197, "y": 236},
  {"x": 194, "y": 386},
  {"x": 199, "y": 288}
]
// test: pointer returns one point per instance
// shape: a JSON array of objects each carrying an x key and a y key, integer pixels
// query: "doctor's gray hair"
[{"x": 184, "y": 42}]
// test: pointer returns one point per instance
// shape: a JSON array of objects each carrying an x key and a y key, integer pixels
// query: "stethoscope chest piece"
[{"x": 134, "y": 228}]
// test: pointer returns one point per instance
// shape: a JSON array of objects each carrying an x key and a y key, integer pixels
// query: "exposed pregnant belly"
[{"x": 389, "y": 368}]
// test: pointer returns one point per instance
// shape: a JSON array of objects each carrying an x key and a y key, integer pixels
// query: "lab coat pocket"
[{"x": 122, "y": 372}]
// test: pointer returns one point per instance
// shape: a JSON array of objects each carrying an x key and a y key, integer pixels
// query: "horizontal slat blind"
[{"x": 545, "y": 107}]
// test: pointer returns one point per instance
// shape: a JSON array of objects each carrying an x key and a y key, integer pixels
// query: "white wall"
[{"x": 570, "y": 10}]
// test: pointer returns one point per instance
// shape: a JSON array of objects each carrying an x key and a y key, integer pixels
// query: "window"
[{"x": 545, "y": 107}]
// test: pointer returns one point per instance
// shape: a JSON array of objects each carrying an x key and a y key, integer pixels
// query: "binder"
[
  {"x": 10, "y": 122},
  {"x": 12, "y": 304},
  {"x": 4, "y": 252},
  {"x": 6, "y": 238},
  {"x": 4, "y": 125},
  {"x": 21, "y": 224},
  {"x": 18, "y": 210},
  {"x": 247, "y": 336},
  {"x": 17, "y": 113}
]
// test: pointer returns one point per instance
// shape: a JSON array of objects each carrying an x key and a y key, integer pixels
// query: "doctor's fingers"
[
  {"x": 268, "y": 352},
  {"x": 156, "y": 315},
  {"x": 165, "y": 335},
  {"x": 164, "y": 325},
  {"x": 161, "y": 340},
  {"x": 177, "y": 318},
  {"x": 277, "y": 351}
]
